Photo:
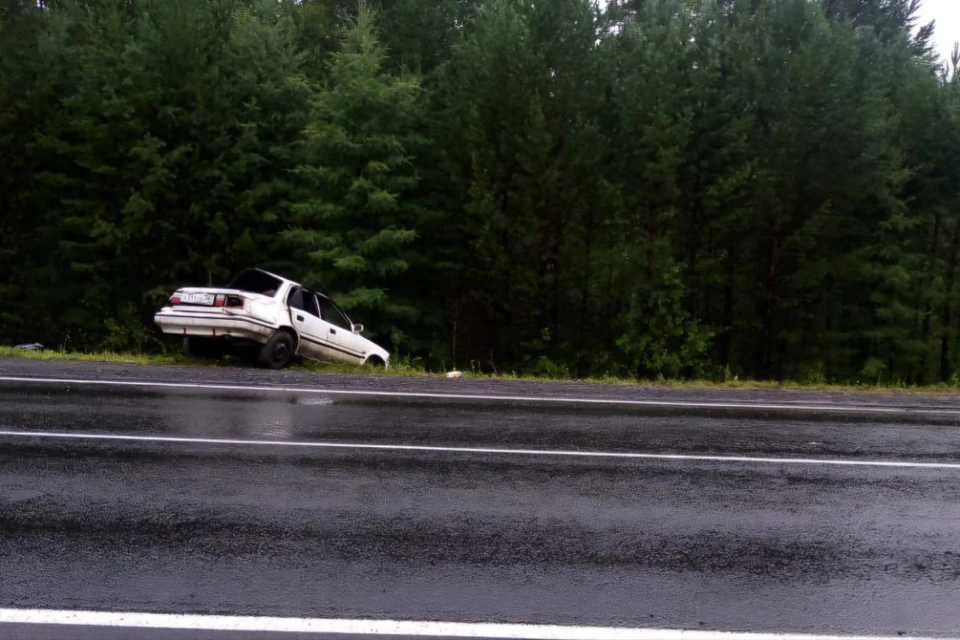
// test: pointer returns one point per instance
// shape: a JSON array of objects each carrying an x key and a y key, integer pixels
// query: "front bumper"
[{"x": 210, "y": 325}]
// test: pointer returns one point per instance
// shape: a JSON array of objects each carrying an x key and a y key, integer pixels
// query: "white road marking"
[
  {"x": 500, "y": 398},
  {"x": 623, "y": 455},
  {"x": 261, "y": 624}
]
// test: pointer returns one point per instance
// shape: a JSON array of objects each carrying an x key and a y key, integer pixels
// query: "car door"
[
  {"x": 305, "y": 316},
  {"x": 345, "y": 343}
]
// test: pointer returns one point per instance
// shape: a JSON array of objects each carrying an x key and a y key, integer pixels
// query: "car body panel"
[{"x": 260, "y": 316}]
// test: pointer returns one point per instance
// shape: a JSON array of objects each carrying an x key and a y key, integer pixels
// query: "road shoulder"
[{"x": 172, "y": 374}]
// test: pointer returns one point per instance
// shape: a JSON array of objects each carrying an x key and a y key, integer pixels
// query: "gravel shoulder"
[{"x": 62, "y": 369}]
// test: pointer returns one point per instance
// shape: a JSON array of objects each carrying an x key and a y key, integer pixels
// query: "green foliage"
[
  {"x": 128, "y": 332},
  {"x": 352, "y": 227},
  {"x": 659, "y": 337},
  {"x": 741, "y": 188},
  {"x": 162, "y": 161}
]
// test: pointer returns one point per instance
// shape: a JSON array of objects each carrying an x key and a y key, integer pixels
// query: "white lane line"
[
  {"x": 501, "y": 398},
  {"x": 623, "y": 455},
  {"x": 261, "y": 624}
]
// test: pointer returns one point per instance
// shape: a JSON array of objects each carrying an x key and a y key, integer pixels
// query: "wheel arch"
[{"x": 376, "y": 360}]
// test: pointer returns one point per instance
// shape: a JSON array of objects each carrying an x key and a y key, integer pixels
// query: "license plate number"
[{"x": 196, "y": 298}]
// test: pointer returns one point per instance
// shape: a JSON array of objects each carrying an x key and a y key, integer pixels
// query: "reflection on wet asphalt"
[{"x": 240, "y": 529}]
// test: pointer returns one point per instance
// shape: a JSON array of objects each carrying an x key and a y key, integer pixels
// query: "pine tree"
[
  {"x": 351, "y": 225},
  {"x": 34, "y": 73},
  {"x": 650, "y": 101},
  {"x": 161, "y": 160},
  {"x": 516, "y": 98},
  {"x": 764, "y": 188}
]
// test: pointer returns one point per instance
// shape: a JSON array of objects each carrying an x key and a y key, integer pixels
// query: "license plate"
[{"x": 196, "y": 298}]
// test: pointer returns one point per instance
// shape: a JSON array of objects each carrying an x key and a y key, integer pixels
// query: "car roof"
[{"x": 277, "y": 276}]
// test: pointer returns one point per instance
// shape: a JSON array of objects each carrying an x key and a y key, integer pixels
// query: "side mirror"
[{"x": 358, "y": 328}]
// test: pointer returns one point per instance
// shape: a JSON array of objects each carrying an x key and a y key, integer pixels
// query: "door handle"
[
  {"x": 332, "y": 330},
  {"x": 300, "y": 318}
]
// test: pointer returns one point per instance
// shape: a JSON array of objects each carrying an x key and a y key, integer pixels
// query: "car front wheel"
[
  {"x": 376, "y": 362},
  {"x": 278, "y": 351}
]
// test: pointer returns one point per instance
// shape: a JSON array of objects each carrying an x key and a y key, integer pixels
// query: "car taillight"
[
  {"x": 174, "y": 300},
  {"x": 220, "y": 300},
  {"x": 234, "y": 301}
]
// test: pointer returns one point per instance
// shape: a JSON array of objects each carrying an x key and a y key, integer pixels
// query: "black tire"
[
  {"x": 376, "y": 362},
  {"x": 278, "y": 351}
]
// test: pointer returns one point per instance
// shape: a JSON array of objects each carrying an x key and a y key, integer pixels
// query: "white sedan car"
[{"x": 278, "y": 316}]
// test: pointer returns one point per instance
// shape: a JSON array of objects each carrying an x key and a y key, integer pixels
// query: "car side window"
[
  {"x": 330, "y": 313},
  {"x": 295, "y": 299},
  {"x": 310, "y": 304}
]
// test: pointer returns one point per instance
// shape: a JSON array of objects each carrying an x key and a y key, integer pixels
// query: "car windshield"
[{"x": 256, "y": 281}]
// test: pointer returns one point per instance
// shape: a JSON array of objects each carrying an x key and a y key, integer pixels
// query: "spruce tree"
[{"x": 351, "y": 228}]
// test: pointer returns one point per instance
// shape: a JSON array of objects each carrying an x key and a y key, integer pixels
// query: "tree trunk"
[
  {"x": 770, "y": 301},
  {"x": 926, "y": 312},
  {"x": 585, "y": 286},
  {"x": 727, "y": 322},
  {"x": 946, "y": 319}
]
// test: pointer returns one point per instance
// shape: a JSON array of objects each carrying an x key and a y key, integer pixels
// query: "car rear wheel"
[{"x": 278, "y": 350}]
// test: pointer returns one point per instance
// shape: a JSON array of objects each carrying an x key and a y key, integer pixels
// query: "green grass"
[
  {"x": 399, "y": 368},
  {"x": 411, "y": 368},
  {"x": 746, "y": 385},
  {"x": 102, "y": 356}
]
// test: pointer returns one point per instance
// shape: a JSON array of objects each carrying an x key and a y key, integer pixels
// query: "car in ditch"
[{"x": 270, "y": 316}]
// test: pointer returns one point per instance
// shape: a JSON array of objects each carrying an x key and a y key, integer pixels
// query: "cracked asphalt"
[{"x": 245, "y": 516}]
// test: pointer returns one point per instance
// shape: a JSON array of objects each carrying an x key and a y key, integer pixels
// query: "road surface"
[{"x": 340, "y": 506}]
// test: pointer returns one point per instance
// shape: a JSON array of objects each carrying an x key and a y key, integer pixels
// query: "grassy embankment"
[
  {"x": 397, "y": 369},
  {"x": 407, "y": 368}
]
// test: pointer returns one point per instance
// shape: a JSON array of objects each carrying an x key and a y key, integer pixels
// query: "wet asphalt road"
[{"x": 314, "y": 532}]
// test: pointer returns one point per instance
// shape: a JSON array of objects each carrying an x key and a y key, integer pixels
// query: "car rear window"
[{"x": 255, "y": 281}]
